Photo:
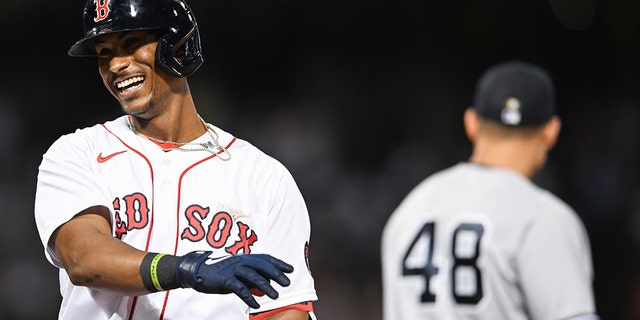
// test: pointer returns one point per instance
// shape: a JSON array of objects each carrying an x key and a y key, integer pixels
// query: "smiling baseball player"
[{"x": 158, "y": 214}]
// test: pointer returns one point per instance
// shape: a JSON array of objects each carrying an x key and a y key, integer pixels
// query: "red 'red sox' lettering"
[
  {"x": 244, "y": 243},
  {"x": 217, "y": 233},
  {"x": 102, "y": 10},
  {"x": 219, "y": 230},
  {"x": 120, "y": 227},
  {"x": 196, "y": 232},
  {"x": 136, "y": 209}
]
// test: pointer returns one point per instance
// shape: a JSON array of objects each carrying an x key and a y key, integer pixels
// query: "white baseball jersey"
[
  {"x": 475, "y": 242},
  {"x": 174, "y": 202}
]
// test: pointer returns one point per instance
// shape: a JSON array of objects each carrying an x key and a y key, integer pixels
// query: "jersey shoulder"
[
  {"x": 500, "y": 192},
  {"x": 431, "y": 187},
  {"x": 247, "y": 154},
  {"x": 85, "y": 139}
]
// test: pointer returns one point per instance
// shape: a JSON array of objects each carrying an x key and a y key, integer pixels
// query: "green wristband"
[
  {"x": 153, "y": 269},
  {"x": 158, "y": 272}
]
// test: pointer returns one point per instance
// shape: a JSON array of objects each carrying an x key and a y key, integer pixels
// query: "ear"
[
  {"x": 471, "y": 124},
  {"x": 551, "y": 131}
]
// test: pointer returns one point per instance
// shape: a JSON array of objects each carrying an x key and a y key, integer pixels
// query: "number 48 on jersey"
[{"x": 464, "y": 275}]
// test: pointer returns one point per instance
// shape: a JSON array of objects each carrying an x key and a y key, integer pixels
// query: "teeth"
[{"x": 126, "y": 83}]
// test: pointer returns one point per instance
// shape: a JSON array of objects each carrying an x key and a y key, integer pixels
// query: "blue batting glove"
[{"x": 232, "y": 274}]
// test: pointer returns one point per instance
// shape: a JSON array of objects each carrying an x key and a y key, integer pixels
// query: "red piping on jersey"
[
  {"x": 166, "y": 298},
  {"x": 304, "y": 306},
  {"x": 146, "y": 247},
  {"x": 175, "y": 249}
]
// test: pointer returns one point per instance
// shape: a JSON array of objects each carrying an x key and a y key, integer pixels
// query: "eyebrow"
[{"x": 119, "y": 36}]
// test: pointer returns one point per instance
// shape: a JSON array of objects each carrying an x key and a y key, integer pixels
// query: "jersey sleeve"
[
  {"x": 554, "y": 260},
  {"x": 67, "y": 183},
  {"x": 289, "y": 230}
]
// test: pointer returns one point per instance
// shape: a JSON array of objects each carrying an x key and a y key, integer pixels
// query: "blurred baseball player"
[
  {"x": 158, "y": 214},
  {"x": 479, "y": 240}
]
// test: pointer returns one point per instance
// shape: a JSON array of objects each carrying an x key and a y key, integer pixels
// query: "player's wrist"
[
  {"x": 158, "y": 272},
  {"x": 188, "y": 267}
]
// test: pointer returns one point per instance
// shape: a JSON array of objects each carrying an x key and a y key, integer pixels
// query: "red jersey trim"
[
  {"x": 177, "y": 238},
  {"x": 304, "y": 306},
  {"x": 134, "y": 301}
]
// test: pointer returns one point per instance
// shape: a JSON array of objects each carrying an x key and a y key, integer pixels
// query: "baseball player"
[
  {"x": 479, "y": 240},
  {"x": 158, "y": 214}
]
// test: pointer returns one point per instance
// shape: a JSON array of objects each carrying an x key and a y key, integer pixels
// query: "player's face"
[{"x": 127, "y": 66}]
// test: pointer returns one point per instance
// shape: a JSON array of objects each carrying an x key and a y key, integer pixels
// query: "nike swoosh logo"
[{"x": 102, "y": 159}]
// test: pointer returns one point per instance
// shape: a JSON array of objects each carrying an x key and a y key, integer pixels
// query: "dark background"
[{"x": 360, "y": 100}]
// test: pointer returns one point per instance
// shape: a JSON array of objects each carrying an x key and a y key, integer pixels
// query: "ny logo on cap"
[
  {"x": 511, "y": 112},
  {"x": 102, "y": 10}
]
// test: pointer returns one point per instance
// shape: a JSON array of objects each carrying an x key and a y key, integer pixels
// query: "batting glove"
[{"x": 232, "y": 274}]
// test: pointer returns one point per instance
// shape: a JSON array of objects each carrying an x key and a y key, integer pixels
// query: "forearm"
[
  {"x": 115, "y": 269},
  {"x": 93, "y": 258}
]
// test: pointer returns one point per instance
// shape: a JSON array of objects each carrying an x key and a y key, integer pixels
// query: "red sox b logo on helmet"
[{"x": 102, "y": 10}]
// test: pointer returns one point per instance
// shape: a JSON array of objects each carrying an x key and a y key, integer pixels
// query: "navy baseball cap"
[{"x": 515, "y": 93}]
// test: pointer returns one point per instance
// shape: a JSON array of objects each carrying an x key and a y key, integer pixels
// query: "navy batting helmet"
[{"x": 174, "y": 16}]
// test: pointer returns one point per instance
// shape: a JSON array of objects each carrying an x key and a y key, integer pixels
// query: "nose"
[{"x": 119, "y": 62}]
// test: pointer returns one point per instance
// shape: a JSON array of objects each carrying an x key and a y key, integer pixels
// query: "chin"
[{"x": 135, "y": 110}]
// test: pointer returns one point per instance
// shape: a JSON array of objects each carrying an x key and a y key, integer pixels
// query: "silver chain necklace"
[{"x": 209, "y": 146}]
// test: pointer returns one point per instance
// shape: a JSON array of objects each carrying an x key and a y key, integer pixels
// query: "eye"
[
  {"x": 132, "y": 43},
  {"x": 103, "y": 52}
]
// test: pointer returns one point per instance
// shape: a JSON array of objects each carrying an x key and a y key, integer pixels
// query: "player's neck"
[
  {"x": 178, "y": 126},
  {"x": 522, "y": 158}
]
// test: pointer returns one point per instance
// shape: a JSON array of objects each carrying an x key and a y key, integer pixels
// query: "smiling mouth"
[{"x": 129, "y": 84}]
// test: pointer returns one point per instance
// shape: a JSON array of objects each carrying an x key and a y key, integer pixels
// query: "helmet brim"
[{"x": 85, "y": 47}]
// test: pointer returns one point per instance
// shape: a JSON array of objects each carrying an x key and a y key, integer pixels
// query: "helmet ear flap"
[
  {"x": 180, "y": 51},
  {"x": 180, "y": 54}
]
